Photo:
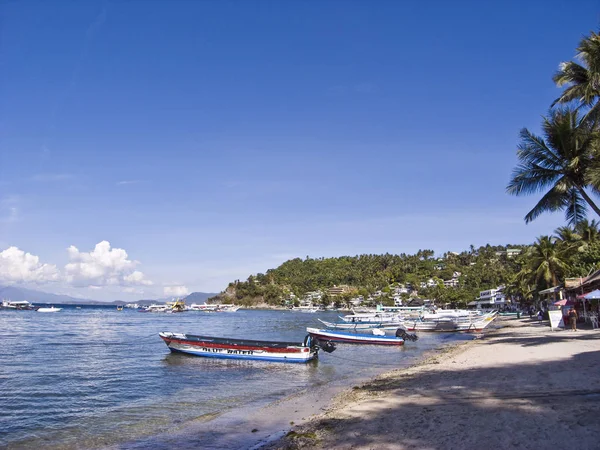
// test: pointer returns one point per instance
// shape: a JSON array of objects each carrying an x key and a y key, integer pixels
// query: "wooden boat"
[
  {"x": 355, "y": 338},
  {"x": 218, "y": 347}
]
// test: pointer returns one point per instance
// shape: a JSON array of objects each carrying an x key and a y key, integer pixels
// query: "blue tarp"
[{"x": 593, "y": 295}]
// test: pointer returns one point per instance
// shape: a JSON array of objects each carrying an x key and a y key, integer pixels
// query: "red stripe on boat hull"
[{"x": 237, "y": 347}]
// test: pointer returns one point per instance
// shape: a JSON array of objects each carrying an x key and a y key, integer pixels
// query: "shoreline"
[
  {"x": 257, "y": 426},
  {"x": 519, "y": 386}
]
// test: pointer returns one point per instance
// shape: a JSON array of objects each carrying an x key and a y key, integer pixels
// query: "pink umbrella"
[{"x": 563, "y": 303}]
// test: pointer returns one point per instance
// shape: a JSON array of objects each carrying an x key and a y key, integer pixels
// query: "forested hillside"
[{"x": 523, "y": 270}]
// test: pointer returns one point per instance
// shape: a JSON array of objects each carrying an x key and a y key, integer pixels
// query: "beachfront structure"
[
  {"x": 312, "y": 297},
  {"x": 491, "y": 298},
  {"x": 575, "y": 290}
]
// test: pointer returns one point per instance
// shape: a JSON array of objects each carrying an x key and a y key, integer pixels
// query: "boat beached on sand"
[{"x": 228, "y": 348}]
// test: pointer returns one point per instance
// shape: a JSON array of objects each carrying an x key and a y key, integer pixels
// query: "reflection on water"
[{"x": 93, "y": 377}]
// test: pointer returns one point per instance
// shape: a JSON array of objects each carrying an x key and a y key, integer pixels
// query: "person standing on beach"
[{"x": 573, "y": 319}]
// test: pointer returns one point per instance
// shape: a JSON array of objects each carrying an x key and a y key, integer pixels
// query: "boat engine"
[
  {"x": 406, "y": 336},
  {"x": 326, "y": 346}
]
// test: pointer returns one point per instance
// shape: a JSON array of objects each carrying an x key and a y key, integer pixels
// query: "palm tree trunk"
[{"x": 588, "y": 200}]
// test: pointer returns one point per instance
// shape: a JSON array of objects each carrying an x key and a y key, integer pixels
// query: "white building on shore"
[{"x": 490, "y": 299}]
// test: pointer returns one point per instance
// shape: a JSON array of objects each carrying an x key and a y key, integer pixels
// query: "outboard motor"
[
  {"x": 406, "y": 336},
  {"x": 327, "y": 346}
]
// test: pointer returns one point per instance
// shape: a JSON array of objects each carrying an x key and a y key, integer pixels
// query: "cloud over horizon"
[
  {"x": 16, "y": 266},
  {"x": 176, "y": 291},
  {"x": 103, "y": 266}
]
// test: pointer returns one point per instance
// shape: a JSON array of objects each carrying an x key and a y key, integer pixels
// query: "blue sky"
[{"x": 212, "y": 140}]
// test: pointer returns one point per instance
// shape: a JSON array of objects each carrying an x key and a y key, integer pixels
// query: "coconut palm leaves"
[
  {"x": 582, "y": 81},
  {"x": 549, "y": 260},
  {"x": 558, "y": 164},
  {"x": 589, "y": 231}
]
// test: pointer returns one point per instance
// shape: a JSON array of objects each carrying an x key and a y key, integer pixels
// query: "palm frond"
[
  {"x": 582, "y": 80},
  {"x": 576, "y": 209},
  {"x": 533, "y": 149},
  {"x": 529, "y": 179},
  {"x": 555, "y": 199}
]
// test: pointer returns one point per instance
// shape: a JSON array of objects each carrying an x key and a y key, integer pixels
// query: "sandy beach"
[{"x": 520, "y": 386}]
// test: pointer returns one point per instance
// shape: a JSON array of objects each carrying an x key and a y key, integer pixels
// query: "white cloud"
[
  {"x": 176, "y": 291},
  {"x": 125, "y": 182},
  {"x": 103, "y": 266},
  {"x": 16, "y": 266},
  {"x": 137, "y": 278}
]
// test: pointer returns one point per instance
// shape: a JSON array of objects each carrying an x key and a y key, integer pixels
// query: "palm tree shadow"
[{"x": 528, "y": 405}]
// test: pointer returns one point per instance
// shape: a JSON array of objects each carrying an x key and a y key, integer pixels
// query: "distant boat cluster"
[
  {"x": 178, "y": 306},
  {"x": 169, "y": 307},
  {"x": 24, "y": 305}
]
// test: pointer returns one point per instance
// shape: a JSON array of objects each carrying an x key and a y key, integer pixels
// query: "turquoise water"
[{"x": 96, "y": 377}]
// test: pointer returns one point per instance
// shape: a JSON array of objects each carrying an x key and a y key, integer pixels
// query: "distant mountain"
[
  {"x": 198, "y": 297},
  {"x": 18, "y": 294}
]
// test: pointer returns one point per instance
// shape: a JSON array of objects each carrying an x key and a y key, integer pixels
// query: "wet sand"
[{"x": 521, "y": 386}]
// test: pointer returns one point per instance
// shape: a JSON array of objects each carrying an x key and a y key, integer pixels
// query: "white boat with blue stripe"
[{"x": 376, "y": 337}]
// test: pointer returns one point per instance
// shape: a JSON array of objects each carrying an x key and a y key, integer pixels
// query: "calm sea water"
[{"x": 96, "y": 377}]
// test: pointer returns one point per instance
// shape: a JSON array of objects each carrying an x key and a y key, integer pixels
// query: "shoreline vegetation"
[{"x": 521, "y": 385}]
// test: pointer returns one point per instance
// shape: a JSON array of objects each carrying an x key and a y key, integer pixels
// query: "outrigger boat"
[
  {"x": 433, "y": 322},
  {"x": 378, "y": 337},
  {"x": 376, "y": 316},
  {"x": 218, "y": 347},
  {"x": 363, "y": 325}
]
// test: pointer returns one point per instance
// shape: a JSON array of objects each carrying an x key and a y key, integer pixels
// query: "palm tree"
[
  {"x": 548, "y": 260},
  {"x": 582, "y": 80},
  {"x": 567, "y": 234},
  {"x": 588, "y": 231},
  {"x": 561, "y": 162},
  {"x": 521, "y": 286}
]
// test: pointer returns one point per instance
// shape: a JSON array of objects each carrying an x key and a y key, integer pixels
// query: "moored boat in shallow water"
[
  {"x": 349, "y": 337},
  {"x": 228, "y": 348}
]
